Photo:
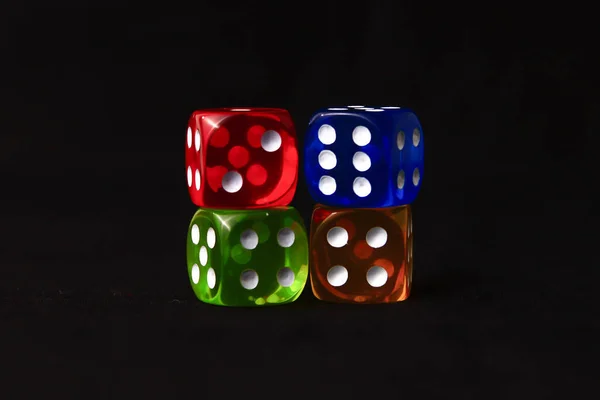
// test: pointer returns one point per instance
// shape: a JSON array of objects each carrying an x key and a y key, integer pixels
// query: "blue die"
[{"x": 364, "y": 157}]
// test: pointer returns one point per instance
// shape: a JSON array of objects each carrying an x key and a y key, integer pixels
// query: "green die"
[{"x": 247, "y": 257}]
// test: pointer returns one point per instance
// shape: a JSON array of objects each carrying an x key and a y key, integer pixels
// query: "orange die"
[{"x": 361, "y": 255}]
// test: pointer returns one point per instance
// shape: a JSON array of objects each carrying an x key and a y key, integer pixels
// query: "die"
[
  {"x": 361, "y": 255},
  {"x": 364, "y": 157},
  {"x": 247, "y": 257},
  {"x": 241, "y": 158}
]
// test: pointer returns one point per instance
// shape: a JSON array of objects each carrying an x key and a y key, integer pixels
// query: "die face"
[
  {"x": 241, "y": 158},
  {"x": 364, "y": 157},
  {"x": 204, "y": 255},
  {"x": 259, "y": 257},
  {"x": 361, "y": 255}
]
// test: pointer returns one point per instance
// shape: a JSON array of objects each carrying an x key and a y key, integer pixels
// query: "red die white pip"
[{"x": 241, "y": 158}]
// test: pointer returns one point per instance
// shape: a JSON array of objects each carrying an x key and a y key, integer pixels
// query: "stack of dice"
[
  {"x": 246, "y": 246},
  {"x": 364, "y": 167}
]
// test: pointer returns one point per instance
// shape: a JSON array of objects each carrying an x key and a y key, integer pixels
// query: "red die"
[{"x": 241, "y": 158}]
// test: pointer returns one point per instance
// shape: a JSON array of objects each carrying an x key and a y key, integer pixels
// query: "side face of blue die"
[{"x": 364, "y": 157}]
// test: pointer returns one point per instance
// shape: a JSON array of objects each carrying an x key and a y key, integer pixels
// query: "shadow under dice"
[
  {"x": 364, "y": 157},
  {"x": 247, "y": 257},
  {"x": 241, "y": 158},
  {"x": 361, "y": 255}
]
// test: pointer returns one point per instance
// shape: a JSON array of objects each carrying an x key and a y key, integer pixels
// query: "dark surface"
[{"x": 95, "y": 209}]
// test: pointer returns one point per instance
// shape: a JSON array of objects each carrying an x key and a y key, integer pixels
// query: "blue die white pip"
[{"x": 364, "y": 157}]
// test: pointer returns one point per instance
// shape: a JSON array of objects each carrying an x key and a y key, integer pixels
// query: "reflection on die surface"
[
  {"x": 247, "y": 257},
  {"x": 361, "y": 255},
  {"x": 241, "y": 158},
  {"x": 365, "y": 157}
]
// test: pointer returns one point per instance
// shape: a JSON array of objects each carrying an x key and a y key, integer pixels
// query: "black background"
[{"x": 95, "y": 101}]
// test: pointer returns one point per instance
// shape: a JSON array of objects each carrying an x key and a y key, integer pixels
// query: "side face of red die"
[{"x": 241, "y": 158}]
